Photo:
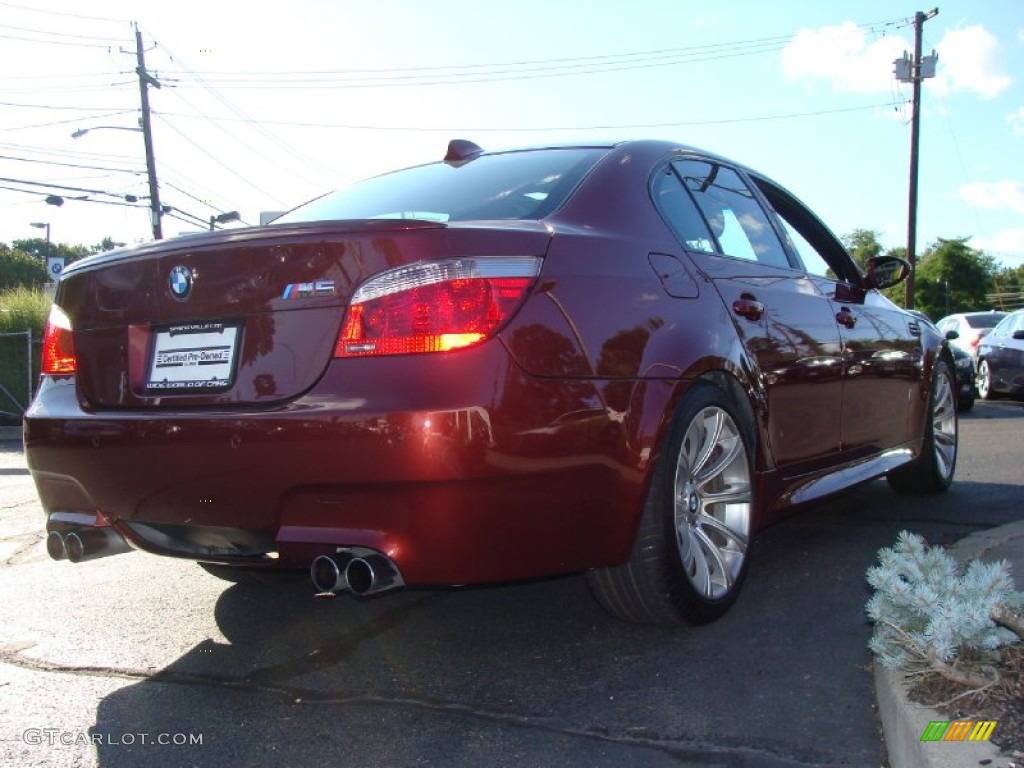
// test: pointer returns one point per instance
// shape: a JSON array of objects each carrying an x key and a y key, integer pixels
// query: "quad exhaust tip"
[
  {"x": 81, "y": 544},
  {"x": 361, "y": 571},
  {"x": 55, "y": 545}
]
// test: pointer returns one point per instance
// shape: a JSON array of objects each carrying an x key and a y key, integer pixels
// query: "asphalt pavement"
[{"x": 129, "y": 659}]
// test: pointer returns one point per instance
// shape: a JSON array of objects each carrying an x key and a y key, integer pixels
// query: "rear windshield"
[
  {"x": 514, "y": 185},
  {"x": 989, "y": 320}
]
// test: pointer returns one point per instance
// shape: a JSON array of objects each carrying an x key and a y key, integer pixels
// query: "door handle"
[
  {"x": 749, "y": 307},
  {"x": 846, "y": 318}
]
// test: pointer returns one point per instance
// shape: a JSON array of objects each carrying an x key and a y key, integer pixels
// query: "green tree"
[
  {"x": 863, "y": 244},
  {"x": 38, "y": 248},
  {"x": 19, "y": 270},
  {"x": 1008, "y": 287},
  {"x": 953, "y": 277}
]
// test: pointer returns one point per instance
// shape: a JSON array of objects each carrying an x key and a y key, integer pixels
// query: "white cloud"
[
  {"x": 1008, "y": 242},
  {"x": 843, "y": 56},
  {"x": 968, "y": 62},
  {"x": 1016, "y": 121},
  {"x": 995, "y": 195}
]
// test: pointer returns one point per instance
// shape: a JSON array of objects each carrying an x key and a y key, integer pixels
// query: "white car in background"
[{"x": 970, "y": 327}]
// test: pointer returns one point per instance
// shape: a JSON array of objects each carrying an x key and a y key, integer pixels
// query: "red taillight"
[
  {"x": 434, "y": 306},
  {"x": 58, "y": 345}
]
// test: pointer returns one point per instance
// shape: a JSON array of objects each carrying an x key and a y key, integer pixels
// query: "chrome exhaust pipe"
[
  {"x": 55, "y": 545},
  {"x": 92, "y": 543},
  {"x": 328, "y": 572},
  {"x": 372, "y": 573}
]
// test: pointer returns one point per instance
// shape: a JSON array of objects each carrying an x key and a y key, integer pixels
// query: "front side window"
[
  {"x": 819, "y": 250},
  {"x": 512, "y": 185},
  {"x": 735, "y": 217}
]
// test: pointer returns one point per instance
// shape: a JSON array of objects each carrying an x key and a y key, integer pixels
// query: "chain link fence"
[{"x": 20, "y": 353}]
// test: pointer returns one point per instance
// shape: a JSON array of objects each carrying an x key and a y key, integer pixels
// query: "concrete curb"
[{"x": 903, "y": 721}]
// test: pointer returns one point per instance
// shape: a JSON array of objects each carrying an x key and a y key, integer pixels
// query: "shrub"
[
  {"x": 19, "y": 270},
  {"x": 927, "y": 612},
  {"x": 21, "y": 309}
]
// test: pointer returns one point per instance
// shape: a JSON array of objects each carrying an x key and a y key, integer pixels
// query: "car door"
[
  {"x": 882, "y": 351},
  {"x": 784, "y": 322}
]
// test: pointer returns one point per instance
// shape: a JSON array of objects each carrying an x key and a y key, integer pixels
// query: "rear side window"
[
  {"x": 513, "y": 185},
  {"x": 736, "y": 219},
  {"x": 680, "y": 213},
  {"x": 983, "y": 321}
]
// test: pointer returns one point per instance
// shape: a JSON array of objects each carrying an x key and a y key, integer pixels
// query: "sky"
[{"x": 264, "y": 106}]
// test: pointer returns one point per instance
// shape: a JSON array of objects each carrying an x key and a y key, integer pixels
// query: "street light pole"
[
  {"x": 44, "y": 225},
  {"x": 222, "y": 218}
]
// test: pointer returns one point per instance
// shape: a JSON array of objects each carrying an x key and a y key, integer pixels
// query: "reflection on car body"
[{"x": 621, "y": 359}]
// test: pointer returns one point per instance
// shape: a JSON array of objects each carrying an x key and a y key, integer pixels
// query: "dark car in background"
[
  {"x": 1001, "y": 358},
  {"x": 621, "y": 359},
  {"x": 963, "y": 363}
]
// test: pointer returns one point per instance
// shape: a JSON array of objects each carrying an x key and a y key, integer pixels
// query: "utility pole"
[
  {"x": 146, "y": 80},
  {"x": 915, "y": 71}
]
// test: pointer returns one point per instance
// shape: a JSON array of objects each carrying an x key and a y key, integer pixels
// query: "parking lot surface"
[{"x": 136, "y": 659}]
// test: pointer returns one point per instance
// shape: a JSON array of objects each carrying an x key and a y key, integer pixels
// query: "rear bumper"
[{"x": 457, "y": 477}]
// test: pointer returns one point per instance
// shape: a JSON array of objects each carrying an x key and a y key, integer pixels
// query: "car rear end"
[{"x": 268, "y": 396}]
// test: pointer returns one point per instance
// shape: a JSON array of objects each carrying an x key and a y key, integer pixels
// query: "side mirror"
[
  {"x": 951, "y": 335},
  {"x": 886, "y": 271},
  {"x": 1018, "y": 335}
]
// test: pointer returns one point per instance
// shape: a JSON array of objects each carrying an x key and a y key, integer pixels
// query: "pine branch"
[{"x": 960, "y": 676}]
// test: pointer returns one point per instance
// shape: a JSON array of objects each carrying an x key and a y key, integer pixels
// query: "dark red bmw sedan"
[{"x": 619, "y": 359}]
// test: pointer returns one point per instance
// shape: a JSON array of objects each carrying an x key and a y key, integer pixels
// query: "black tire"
[
  {"x": 932, "y": 471},
  {"x": 965, "y": 403},
  {"x": 689, "y": 559},
  {"x": 240, "y": 574}
]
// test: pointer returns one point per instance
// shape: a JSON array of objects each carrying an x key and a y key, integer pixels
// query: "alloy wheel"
[
  {"x": 713, "y": 499},
  {"x": 984, "y": 380},
  {"x": 944, "y": 425}
]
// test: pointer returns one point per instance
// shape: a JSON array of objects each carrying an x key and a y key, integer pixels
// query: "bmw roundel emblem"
[{"x": 180, "y": 282}]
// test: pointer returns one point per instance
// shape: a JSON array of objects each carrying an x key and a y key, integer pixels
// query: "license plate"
[{"x": 193, "y": 356}]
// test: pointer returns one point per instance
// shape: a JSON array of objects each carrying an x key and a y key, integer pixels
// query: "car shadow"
[{"x": 536, "y": 673}]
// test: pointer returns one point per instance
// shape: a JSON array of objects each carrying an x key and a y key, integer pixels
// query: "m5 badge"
[{"x": 308, "y": 290}]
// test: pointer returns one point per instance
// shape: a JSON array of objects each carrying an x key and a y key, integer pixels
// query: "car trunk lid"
[{"x": 243, "y": 316}]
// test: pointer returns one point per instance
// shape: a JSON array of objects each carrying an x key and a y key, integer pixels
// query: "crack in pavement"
[
  {"x": 34, "y": 539},
  {"x": 686, "y": 750}
]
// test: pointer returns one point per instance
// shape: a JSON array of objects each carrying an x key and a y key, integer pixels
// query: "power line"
[
  {"x": 535, "y": 64},
  {"x": 61, "y": 13},
  {"x": 76, "y": 89},
  {"x": 546, "y": 128},
  {"x": 121, "y": 201},
  {"x": 67, "y": 165},
  {"x": 217, "y": 161},
  {"x": 68, "y": 120},
  {"x": 57, "y": 186},
  {"x": 58, "y": 34},
  {"x": 74, "y": 154},
  {"x": 256, "y": 126},
  {"x": 51, "y": 106},
  {"x": 58, "y": 42},
  {"x": 65, "y": 75}
]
